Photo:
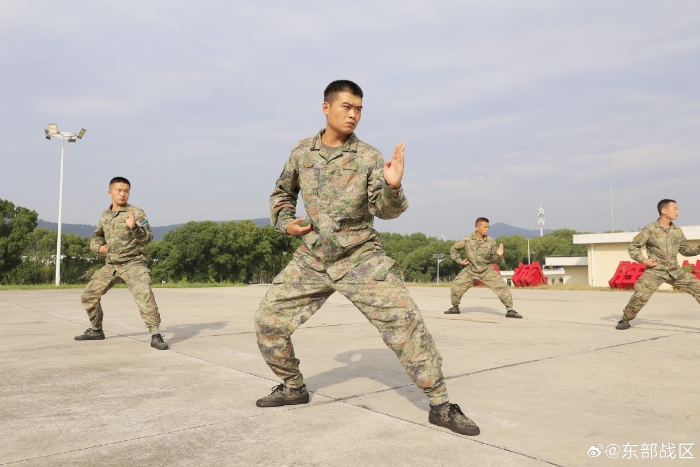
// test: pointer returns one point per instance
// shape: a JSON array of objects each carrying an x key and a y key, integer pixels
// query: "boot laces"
[
  {"x": 279, "y": 388},
  {"x": 453, "y": 411}
]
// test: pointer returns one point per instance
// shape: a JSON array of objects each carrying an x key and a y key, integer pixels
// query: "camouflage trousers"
[
  {"x": 298, "y": 292},
  {"x": 137, "y": 278},
  {"x": 466, "y": 279},
  {"x": 649, "y": 282}
]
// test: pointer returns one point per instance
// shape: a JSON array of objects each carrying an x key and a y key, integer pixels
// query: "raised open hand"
[
  {"x": 393, "y": 168},
  {"x": 499, "y": 252},
  {"x": 130, "y": 219},
  {"x": 295, "y": 229}
]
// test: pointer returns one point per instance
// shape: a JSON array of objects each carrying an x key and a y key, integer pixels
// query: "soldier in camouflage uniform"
[
  {"x": 663, "y": 241},
  {"x": 122, "y": 235},
  {"x": 480, "y": 253},
  {"x": 344, "y": 184}
]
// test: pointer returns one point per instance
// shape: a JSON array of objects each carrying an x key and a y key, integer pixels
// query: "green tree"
[{"x": 16, "y": 224}]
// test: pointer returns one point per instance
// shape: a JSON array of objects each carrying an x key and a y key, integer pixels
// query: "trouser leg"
[
  {"x": 687, "y": 282},
  {"x": 138, "y": 279},
  {"x": 101, "y": 281},
  {"x": 383, "y": 299},
  {"x": 296, "y": 294},
  {"x": 460, "y": 285},
  {"x": 643, "y": 290},
  {"x": 493, "y": 281}
]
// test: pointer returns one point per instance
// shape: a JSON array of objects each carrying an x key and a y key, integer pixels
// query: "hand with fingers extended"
[
  {"x": 130, "y": 219},
  {"x": 393, "y": 168},
  {"x": 295, "y": 229},
  {"x": 499, "y": 252}
]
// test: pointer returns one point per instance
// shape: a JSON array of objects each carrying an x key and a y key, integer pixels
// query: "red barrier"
[
  {"x": 626, "y": 275},
  {"x": 632, "y": 274},
  {"x": 481, "y": 284},
  {"x": 517, "y": 275},
  {"x": 529, "y": 275},
  {"x": 614, "y": 283}
]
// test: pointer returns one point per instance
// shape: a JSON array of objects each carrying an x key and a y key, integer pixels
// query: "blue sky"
[{"x": 502, "y": 105}]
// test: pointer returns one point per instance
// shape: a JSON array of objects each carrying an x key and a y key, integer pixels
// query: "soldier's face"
[
  {"x": 119, "y": 193},
  {"x": 671, "y": 211},
  {"x": 482, "y": 228},
  {"x": 343, "y": 114}
]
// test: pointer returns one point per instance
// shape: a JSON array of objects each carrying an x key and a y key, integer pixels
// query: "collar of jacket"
[
  {"x": 657, "y": 223},
  {"x": 473, "y": 237},
  {"x": 123, "y": 208},
  {"x": 349, "y": 146}
]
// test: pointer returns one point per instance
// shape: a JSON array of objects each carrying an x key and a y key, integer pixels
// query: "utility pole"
[{"x": 612, "y": 215}]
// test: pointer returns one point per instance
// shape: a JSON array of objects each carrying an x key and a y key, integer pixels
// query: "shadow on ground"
[{"x": 371, "y": 364}]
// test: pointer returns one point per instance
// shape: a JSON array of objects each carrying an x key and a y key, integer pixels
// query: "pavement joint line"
[
  {"x": 253, "y": 332},
  {"x": 344, "y": 400},
  {"x": 558, "y": 356},
  {"x": 506, "y": 366},
  {"x": 164, "y": 433}
]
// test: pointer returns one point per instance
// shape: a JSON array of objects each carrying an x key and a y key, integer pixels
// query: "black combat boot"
[
  {"x": 453, "y": 311},
  {"x": 91, "y": 335},
  {"x": 621, "y": 325},
  {"x": 157, "y": 342},
  {"x": 282, "y": 395},
  {"x": 451, "y": 416},
  {"x": 513, "y": 314}
]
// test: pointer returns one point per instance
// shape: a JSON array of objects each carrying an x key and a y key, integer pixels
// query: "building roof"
[
  {"x": 562, "y": 261},
  {"x": 692, "y": 232}
]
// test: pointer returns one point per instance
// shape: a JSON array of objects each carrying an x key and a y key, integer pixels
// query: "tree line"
[{"x": 240, "y": 252}]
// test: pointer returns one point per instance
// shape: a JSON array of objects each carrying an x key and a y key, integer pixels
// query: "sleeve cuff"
[{"x": 394, "y": 196}]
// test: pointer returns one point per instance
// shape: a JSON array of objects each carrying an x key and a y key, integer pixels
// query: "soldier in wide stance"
[
  {"x": 122, "y": 235},
  {"x": 663, "y": 241},
  {"x": 480, "y": 253},
  {"x": 345, "y": 183}
]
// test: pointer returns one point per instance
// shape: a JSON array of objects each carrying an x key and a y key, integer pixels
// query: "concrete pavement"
[{"x": 543, "y": 389}]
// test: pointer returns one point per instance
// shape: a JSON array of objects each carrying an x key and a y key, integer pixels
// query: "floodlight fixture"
[{"x": 72, "y": 138}]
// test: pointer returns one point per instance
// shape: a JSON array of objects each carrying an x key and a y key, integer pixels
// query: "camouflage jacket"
[
  {"x": 662, "y": 245},
  {"x": 342, "y": 193},
  {"x": 480, "y": 253},
  {"x": 125, "y": 247}
]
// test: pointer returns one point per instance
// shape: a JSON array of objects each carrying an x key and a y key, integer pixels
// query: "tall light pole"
[
  {"x": 528, "y": 251},
  {"x": 439, "y": 258},
  {"x": 53, "y": 132},
  {"x": 612, "y": 215}
]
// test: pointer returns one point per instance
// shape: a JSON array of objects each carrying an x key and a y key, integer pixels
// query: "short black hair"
[
  {"x": 481, "y": 219},
  {"x": 663, "y": 203},
  {"x": 341, "y": 85},
  {"x": 119, "y": 180}
]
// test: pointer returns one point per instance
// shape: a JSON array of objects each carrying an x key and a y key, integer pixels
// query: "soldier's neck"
[
  {"x": 665, "y": 222},
  {"x": 333, "y": 139},
  {"x": 479, "y": 236}
]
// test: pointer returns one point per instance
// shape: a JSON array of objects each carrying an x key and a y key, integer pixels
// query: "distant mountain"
[
  {"x": 499, "y": 229},
  {"x": 85, "y": 230}
]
